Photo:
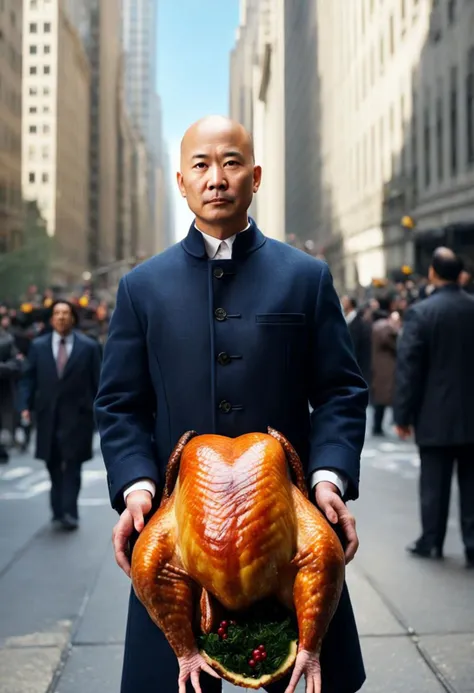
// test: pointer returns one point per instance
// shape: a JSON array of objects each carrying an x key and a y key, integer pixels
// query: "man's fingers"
[
  {"x": 120, "y": 536},
  {"x": 349, "y": 528},
  {"x": 138, "y": 519},
  {"x": 334, "y": 508}
]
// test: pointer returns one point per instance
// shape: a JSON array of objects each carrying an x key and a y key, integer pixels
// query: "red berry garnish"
[
  {"x": 224, "y": 624},
  {"x": 233, "y": 623},
  {"x": 221, "y": 632},
  {"x": 258, "y": 656},
  {"x": 261, "y": 648},
  {"x": 255, "y": 653},
  {"x": 225, "y": 636},
  {"x": 263, "y": 655},
  {"x": 252, "y": 663}
]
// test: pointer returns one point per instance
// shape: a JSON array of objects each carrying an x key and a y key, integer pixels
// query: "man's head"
[
  {"x": 348, "y": 304},
  {"x": 445, "y": 267},
  {"x": 466, "y": 274},
  {"x": 5, "y": 322},
  {"x": 218, "y": 174},
  {"x": 63, "y": 317}
]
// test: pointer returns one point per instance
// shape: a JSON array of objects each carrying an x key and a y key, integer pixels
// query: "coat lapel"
[{"x": 76, "y": 350}]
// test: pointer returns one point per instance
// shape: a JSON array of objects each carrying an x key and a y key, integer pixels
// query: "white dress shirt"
[
  {"x": 69, "y": 339},
  {"x": 222, "y": 250}
]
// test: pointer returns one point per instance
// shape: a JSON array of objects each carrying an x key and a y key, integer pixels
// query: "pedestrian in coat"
[
  {"x": 228, "y": 332},
  {"x": 10, "y": 368},
  {"x": 384, "y": 354},
  {"x": 60, "y": 383},
  {"x": 434, "y": 395}
]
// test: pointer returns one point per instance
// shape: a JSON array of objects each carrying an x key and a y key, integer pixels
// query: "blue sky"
[{"x": 195, "y": 38}]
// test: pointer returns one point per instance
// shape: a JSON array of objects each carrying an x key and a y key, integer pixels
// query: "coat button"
[
  {"x": 220, "y": 314},
  {"x": 223, "y": 359},
  {"x": 225, "y": 406},
  {"x": 218, "y": 272}
]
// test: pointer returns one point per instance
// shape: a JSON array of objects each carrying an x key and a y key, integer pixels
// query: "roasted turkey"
[{"x": 234, "y": 527}]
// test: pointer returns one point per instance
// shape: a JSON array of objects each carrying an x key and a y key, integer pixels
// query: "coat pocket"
[{"x": 281, "y": 318}]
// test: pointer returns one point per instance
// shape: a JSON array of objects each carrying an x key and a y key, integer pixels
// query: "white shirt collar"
[
  {"x": 212, "y": 244},
  {"x": 57, "y": 338}
]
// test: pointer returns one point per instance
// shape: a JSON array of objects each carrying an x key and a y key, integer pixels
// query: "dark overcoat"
[
  {"x": 63, "y": 406},
  {"x": 435, "y": 369},
  {"x": 229, "y": 347}
]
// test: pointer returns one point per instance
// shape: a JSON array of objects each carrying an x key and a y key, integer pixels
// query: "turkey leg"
[
  {"x": 317, "y": 587},
  {"x": 167, "y": 592}
]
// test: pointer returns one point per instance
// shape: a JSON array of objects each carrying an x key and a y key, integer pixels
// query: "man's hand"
[
  {"x": 331, "y": 504},
  {"x": 26, "y": 417},
  {"x": 133, "y": 517},
  {"x": 404, "y": 432}
]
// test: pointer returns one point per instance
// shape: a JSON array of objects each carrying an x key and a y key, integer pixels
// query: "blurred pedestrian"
[
  {"x": 384, "y": 352},
  {"x": 10, "y": 367},
  {"x": 60, "y": 383},
  {"x": 435, "y": 395}
]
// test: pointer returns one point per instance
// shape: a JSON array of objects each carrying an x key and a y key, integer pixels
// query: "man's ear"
[{"x": 182, "y": 189}]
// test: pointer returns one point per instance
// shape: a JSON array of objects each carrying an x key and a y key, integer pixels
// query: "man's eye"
[
  {"x": 231, "y": 163},
  {"x": 200, "y": 164}
]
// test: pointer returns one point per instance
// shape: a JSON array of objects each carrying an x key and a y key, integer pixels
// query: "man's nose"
[{"x": 217, "y": 179}]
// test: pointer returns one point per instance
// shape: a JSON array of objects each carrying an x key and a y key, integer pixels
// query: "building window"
[
  {"x": 45, "y": 178},
  {"x": 47, "y": 27},
  {"x": 470, "y": 106},
  {"x": 453, "y": 120},
  {"x": 33, "y": 109},
  {"x": 451, "y": 11},
  {"x": 32, "y": 129},
  {"x": 31, "y": 153},
  {"x": 439, "y": 132},
  {"x": 47, "y": 70},
  {"x": 427, "y": 139},
  {"x": 33, "y": 91},
  {"x": 33, "y": 70},
  {"x": 33, "y": 28},
  {"x": 33, "y": 50},
  {"x": 392, "y": 35},
  {"x": 47, "y": 49},
  {"x": 46, "y": 91},
  {"x": 46, "y": 109},
  {"x": 31, "y": 177},
  {"x": 46, "y": 128},
  {"x": 33, "y": 4},
  {"x": 45, "y": 153}
]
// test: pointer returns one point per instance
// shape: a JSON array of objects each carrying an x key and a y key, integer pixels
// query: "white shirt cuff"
[
  {"x": 142, "y": 485},
  {"x": 333, "y": 477}
]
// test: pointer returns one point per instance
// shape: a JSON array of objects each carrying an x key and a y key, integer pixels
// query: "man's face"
[
  {"x": 5, "y": 322},
  {"x": 62, "y": 319},
  {"x": 218, "y": 176}
]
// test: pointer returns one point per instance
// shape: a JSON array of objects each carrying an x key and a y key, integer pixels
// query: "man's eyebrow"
[
  {"x": 200, "y": 156},
  {"x": 233, "y": 153}
]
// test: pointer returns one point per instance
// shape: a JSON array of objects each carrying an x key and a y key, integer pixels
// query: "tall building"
[
  {"x": 56, "y": 98},
  {"x": 105, "y": 55},
  {"x": 11, "y": 216},
  {"x": 139, "y": 37},
  {"x": 139, "y": 40},
  {"x": 378, "y": 120}
]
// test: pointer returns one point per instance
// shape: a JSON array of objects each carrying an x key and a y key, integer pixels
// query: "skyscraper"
[{"x": 139, "y": 45}]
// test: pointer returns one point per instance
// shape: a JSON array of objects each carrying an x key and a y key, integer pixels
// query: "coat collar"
[{"x": 245, "y": 242}]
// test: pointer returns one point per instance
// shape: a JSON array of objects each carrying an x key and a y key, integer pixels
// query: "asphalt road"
[{"x": 63, "y": 600}]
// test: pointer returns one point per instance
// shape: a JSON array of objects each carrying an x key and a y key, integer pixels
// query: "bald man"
[
  {"x": 434, "y": 395},
  {"x": 229, "y": 332}
]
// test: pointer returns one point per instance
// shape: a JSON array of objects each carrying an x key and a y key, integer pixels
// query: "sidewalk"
[{"x": 63, "y": 600}]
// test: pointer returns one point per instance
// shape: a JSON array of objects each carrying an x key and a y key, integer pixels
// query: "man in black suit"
[
  {"x": 60, "y": 383},
  {"x": 434, "y": 393}
]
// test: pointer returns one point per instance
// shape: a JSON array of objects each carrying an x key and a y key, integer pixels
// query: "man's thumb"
[
  {"x": 330, "y": 513},
  {"x": 138, "y": 520}
]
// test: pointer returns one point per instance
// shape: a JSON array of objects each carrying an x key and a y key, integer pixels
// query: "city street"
[{"x": 63, "y": 599}]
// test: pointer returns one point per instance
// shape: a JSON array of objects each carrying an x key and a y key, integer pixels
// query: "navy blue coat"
[
  {"x": 63, "y": 406},
  {"x": 229, "y": 347}
]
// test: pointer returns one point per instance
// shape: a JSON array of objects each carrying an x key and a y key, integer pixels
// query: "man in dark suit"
[
  {"x": 434, "y": 394},
  {"x": 228, "y": 332},
  {"x": 60, "y": 383}
]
